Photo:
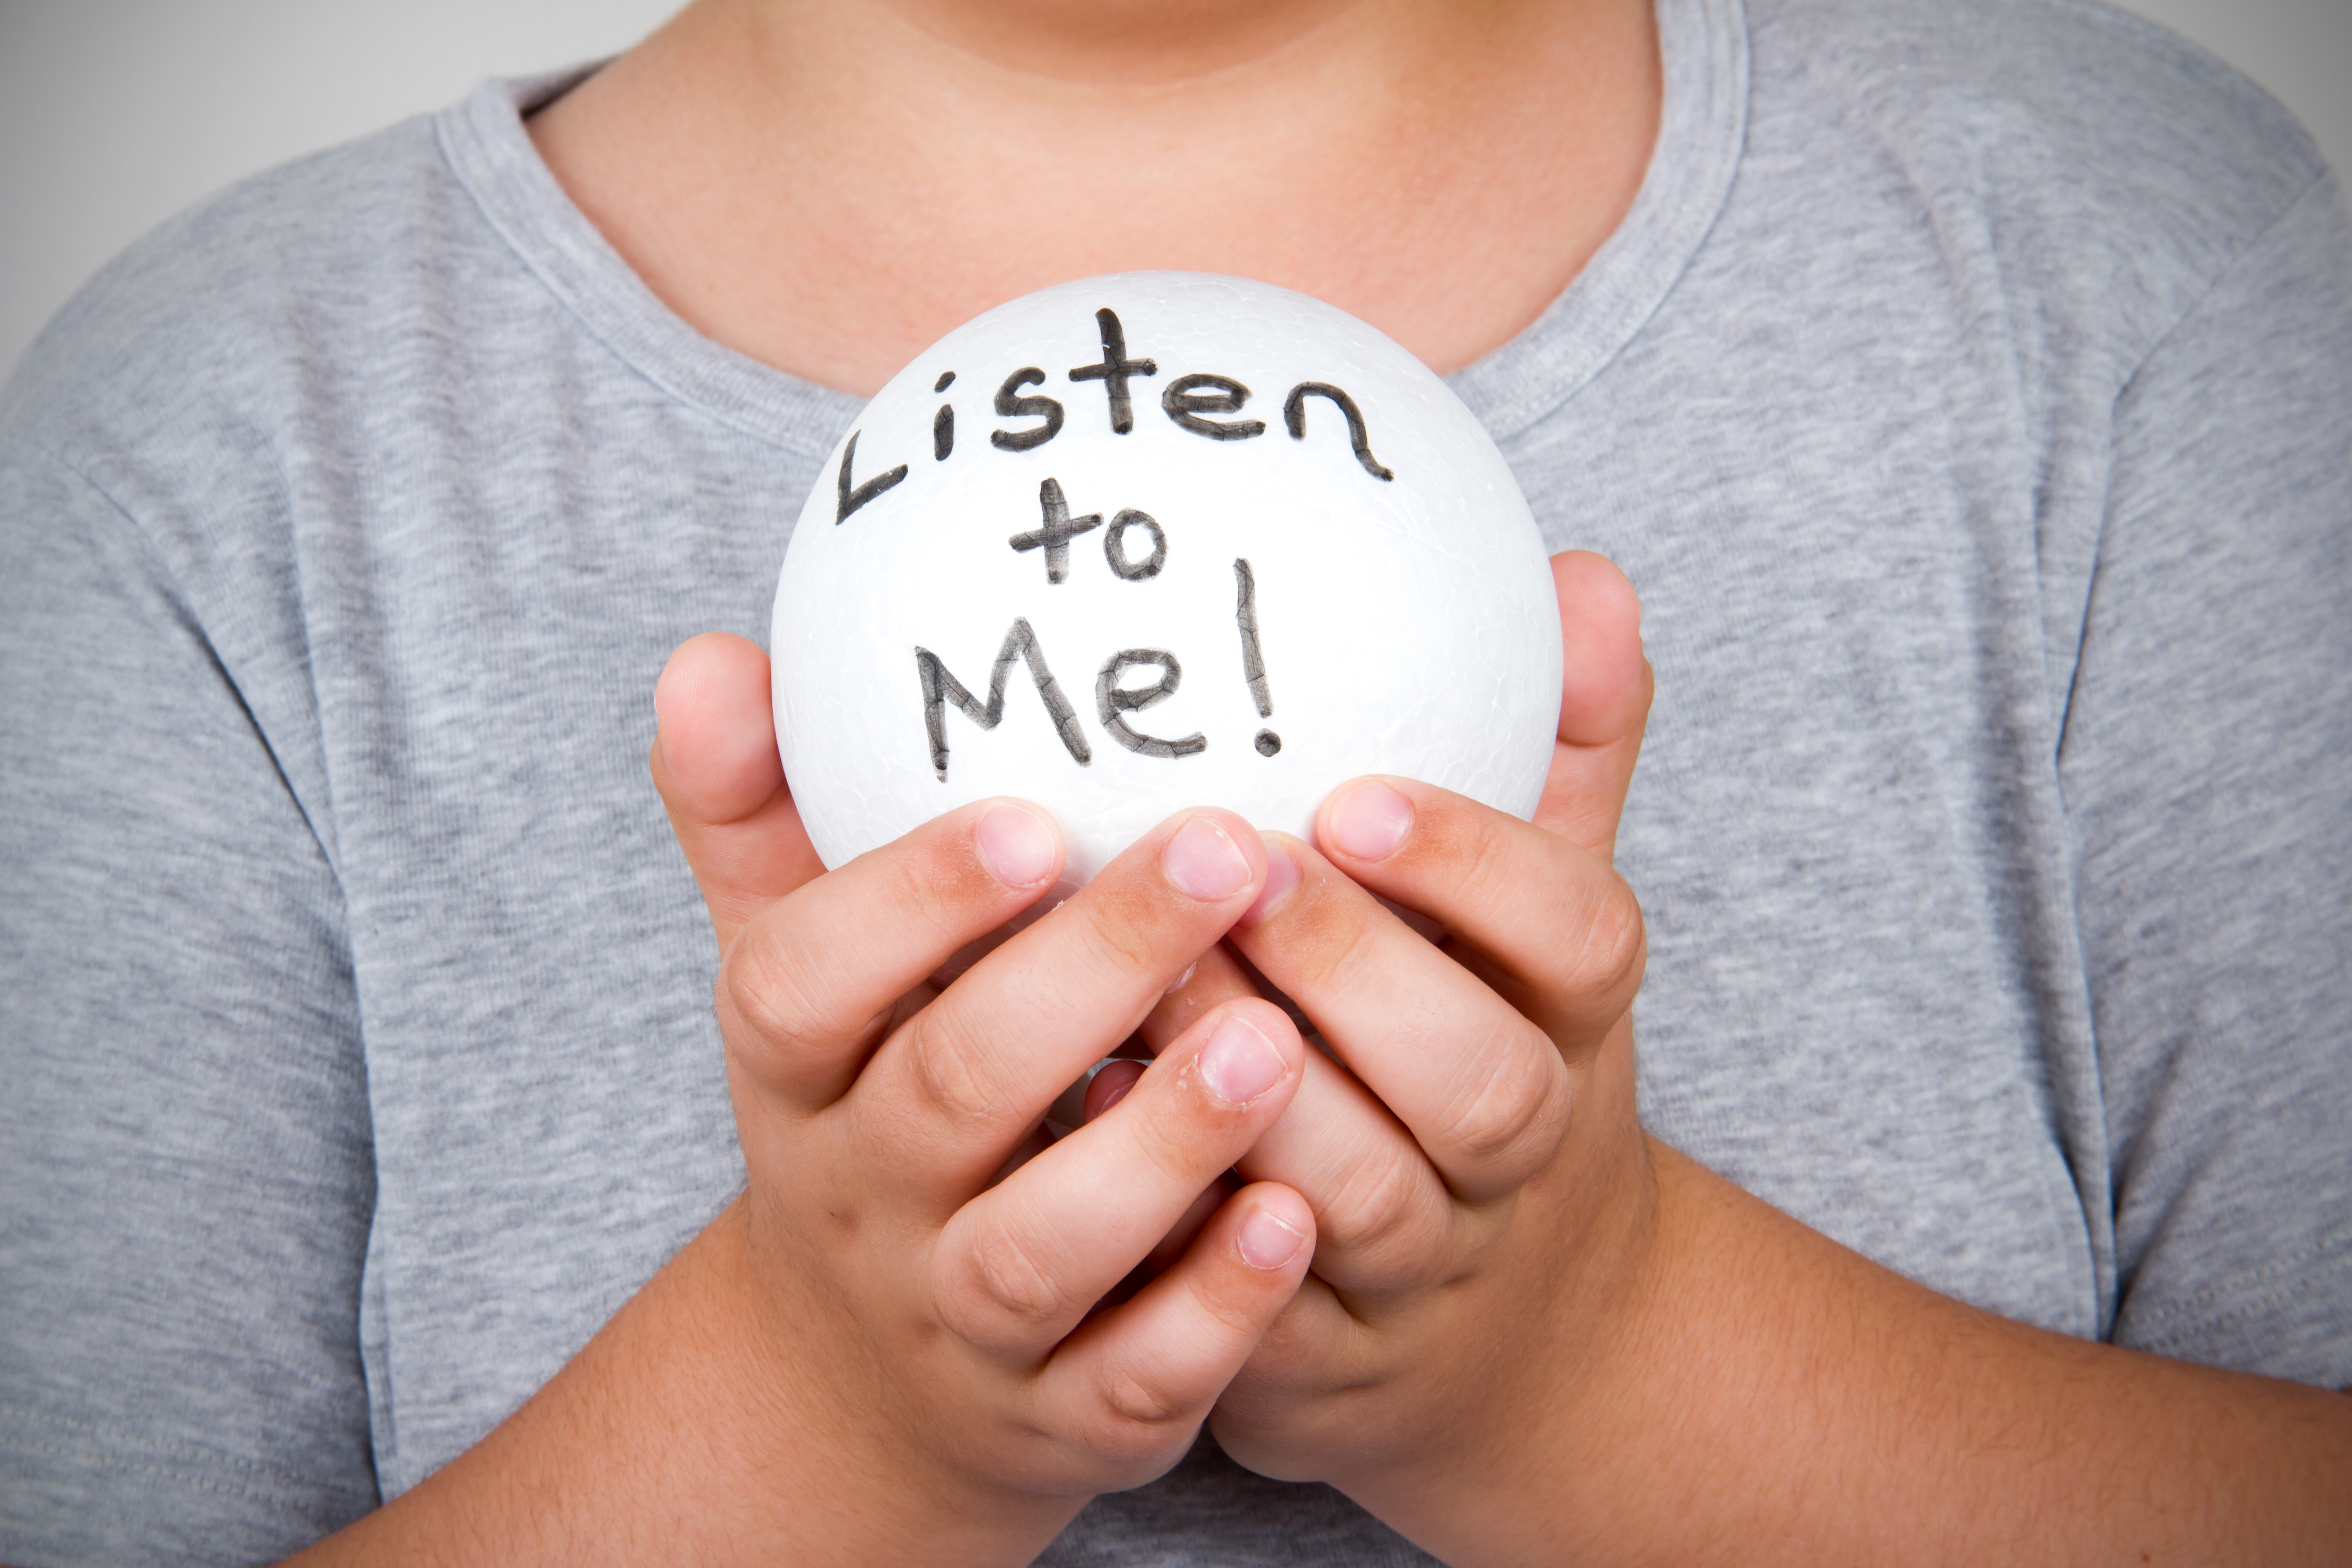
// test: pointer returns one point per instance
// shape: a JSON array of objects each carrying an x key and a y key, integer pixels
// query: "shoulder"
[
  {"x": 221, "y": 321},
  {"x": 215, "y": 432},
  {"x": 2080, "y": 147},
  {"x": 2073, "y": 77}
]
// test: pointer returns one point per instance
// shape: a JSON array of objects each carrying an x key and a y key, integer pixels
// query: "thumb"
[
  {"x": 714, "y": 761},
  {"x": 1604, "y": 702}
]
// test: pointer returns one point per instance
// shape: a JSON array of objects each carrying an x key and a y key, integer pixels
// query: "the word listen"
[{"x": 1200, "y": 401}]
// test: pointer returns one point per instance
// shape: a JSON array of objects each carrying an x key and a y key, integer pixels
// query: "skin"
[
  {"x": 1530, "y": 1332},
  {"x": 830, "y": 187}
]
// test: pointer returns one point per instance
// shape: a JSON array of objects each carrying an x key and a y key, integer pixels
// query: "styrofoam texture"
[{"x": 1407, "y": 626}]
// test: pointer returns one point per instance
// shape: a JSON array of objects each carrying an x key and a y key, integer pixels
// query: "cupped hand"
[
  {"x": 930, "y": 1273},
  {"x": 1481, "y": 1184}
]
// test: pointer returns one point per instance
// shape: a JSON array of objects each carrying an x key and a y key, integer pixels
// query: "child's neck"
[{"x": 827, "y": 186}]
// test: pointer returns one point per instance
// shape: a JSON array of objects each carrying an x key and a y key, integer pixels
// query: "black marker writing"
[
  {"x": 852, "y": 498},
  {"x": 1294, "y": 413},
  {"x": 1012, "y": 407},
  {"x": 1185, "y": 402},
  {"x": 939, "y": 688},
  {"x": 1112, "y": 702},
  {"x": 1115, "y": 546},
  {"x": 944, "y": 422},
  {"x": 1057, "y": 530},
  {"x": 1114, "y": 368},
  {"x": 1253, "y": 657}
]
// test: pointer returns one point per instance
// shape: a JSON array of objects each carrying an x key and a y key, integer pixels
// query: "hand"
[
  {"x": 1481, "y": 1184},
  {"x": 1532, "y": 1335},
  {"x": 930, "y": 1320},
  {"x": 894, "y": 1346}
]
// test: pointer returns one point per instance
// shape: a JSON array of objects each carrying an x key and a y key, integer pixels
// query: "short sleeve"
[
  {"x": 185, "y": 1178},
  {"x": 2207, "y": 766}
]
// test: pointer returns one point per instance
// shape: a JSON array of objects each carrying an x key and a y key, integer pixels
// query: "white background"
[{"x": 114, "y": 114}]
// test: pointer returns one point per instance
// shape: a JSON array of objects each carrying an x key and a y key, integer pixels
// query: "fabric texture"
[{"x": 1968, "y": 394}]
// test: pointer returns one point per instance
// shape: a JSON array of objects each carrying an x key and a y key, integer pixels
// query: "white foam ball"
[{"x": 1385, "y": 567}]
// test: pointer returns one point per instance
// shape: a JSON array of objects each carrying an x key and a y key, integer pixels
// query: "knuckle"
[
  {"x": 1140, "y": 1409},
  {"x": 1120, "y": 925},
  {"x": 1125, "y": 1453},
  {"x": 947, "y": 1063},
  {"x": 1178, "y": 1150},
  {"x": 1134, "y": 1419},
  {"x": 768, "y": 989},
  {"x": 1232, "y": 1318},
  {"x": 1614, "y": 942},
  {"x": 1514, "y": 1118},
  {"x": 936, "y": 898},
  {"x": 1331, "y": 946},
  {"x": 1380, "y": 1218},
  {"x": 1000, "y": 1296},
  {"x": 1478, "y": 859}
]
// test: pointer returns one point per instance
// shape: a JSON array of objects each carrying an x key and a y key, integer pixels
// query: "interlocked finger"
[
  {"x": 1020, "y": 1264},
  {"x": 1384, "y": 1217},
  {"x": 1560, "y": 931},
  {"x": 950, "y": 1093},
  {"x": 1137, "y": 1381},
  {"x": 1482, "y": 1091},
  {"x": 810, "y": 984}
]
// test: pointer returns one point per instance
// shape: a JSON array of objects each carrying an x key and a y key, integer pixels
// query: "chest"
[{"x": 1846, "y": 833}]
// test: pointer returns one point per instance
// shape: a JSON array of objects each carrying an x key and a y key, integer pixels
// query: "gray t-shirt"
[{"x": 1969, "y": 394}]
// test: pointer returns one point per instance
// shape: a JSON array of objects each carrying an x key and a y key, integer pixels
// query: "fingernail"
[
  {"x": 1204, "y": 862},
  {"x": 1016, "y": 847},
  {"x": 1239, "y": 1064},
  {"x": 1267, "y": 1242},
  {"x": 1281, "y": 876},
  {"x": 1369, "y": 821},
  {"x": 1120, "y": 1088}
]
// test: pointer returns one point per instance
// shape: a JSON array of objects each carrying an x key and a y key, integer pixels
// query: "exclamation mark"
[
  {"x": 1252, "y": 659},
  {"x": 944, "y": 422}
]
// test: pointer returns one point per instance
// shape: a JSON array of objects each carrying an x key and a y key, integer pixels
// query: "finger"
[
  {"x": 1215, "y": 978},
  {"x": 1482, "y": 1090},
  {"x": 1108, "y": 1088},
  {"x": 1135, "y": 1383},
  {"x": 1020, "y": 1264},
  {"x": 1382, "y": 1214},
  {"x": 947, "y": 1094},
  {"x": 1561, "y": 933},
  {"x": 1109, "y": 1085},
  {"x": 1317, "y": 1346},
  {"x": 714, "y": 761},
  {"x": 818, "y": 977},
  {"x": 1384, "y": 1218},
  {"x": 1190, "y": 1224},
  {"x": 1604, "y": 702}
]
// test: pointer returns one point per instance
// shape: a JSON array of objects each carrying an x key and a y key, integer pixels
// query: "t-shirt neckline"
[
  {"x": 1702, "y": 129},
  {"x": 1702, "y": 124}
]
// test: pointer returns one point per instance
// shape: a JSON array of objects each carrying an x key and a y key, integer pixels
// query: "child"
[{"x": 1965, "y": 389}]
